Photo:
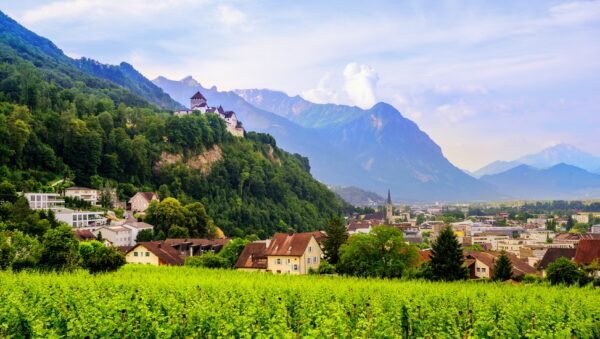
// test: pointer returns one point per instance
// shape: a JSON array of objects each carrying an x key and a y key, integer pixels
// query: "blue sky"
[{"x": 487, "y": 80}]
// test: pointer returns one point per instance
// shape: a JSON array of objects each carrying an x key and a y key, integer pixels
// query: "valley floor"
[{"x": 144, "y": 301}]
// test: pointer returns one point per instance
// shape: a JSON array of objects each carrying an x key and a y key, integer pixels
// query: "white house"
[
  {"x": 87, "y": 194},
  {"x": 80, "y": 219},
  {"x": 44, "y": 201},
  {"x": 141, "y": 200},
  {"x": 119, "y": 236},
  {"x": 135, "y": 227}
]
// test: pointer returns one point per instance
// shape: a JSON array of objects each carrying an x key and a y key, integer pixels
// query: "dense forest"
[{"x": 59, "y": 122}]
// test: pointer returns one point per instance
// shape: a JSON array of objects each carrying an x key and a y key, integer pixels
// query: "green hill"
[{"x": 57, "y": 121}]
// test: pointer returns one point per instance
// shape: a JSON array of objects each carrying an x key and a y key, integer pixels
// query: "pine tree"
[
  {"x": 336, "y": 237},
  {"x": 447, "y": 258},
  {"x": 503, "y": 268}
]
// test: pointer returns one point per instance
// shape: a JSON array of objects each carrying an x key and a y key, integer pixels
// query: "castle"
[{"x": 198, "y": 104}]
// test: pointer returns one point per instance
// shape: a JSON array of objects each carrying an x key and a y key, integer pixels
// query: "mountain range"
[
  {"x": 561, "y": 153},
  {"x": 560, "y": 181},
  {"x": 375, "y": 149}
]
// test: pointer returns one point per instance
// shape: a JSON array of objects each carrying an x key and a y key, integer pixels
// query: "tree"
[
  {"x": 144, "y": 236},
  {"x": 105, "y": 259},
  {"x": 447, "y": 258},
  {"x": 197, "y": 220},
  {"x": 178, "y": 232},
  {"x": 231, "y": 252},
  {"x": 563, "y": 271},
  {"x": 420, "y": 219},
  {"x": 165, "y": 214},
  {"x": 7, "y": 252},
  {"x": 8, "y": 192},
  {"x": 86, "y": 249},
  {"x": 380, "y": 253},
  {"x": 335, "y": 238},
  {"x": 208, "y": 260},
  {"x": 60, "y": 249},
  {"x": 551, "y": 225},
  {"x": 570, "y": 223},
  {"x": 503, "y": 268}
]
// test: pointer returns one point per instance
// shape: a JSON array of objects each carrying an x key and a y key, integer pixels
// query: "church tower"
[
  {"x": 198, "y": 101},
  {"x": 389, "y": 209}
]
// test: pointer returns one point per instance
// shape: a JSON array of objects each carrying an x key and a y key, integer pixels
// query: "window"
[
  {"x": 289, "y": 261},
  {"x": 315, "y": 260},
  {"x": 147, "y": 254},
  {"x": 478, "y": 269},
  {"x": 135, "y": 254},
  {"x": 309, "y": 248},
  {"x": 295, "y": 267},
  {"x": 483, "y": 269},
  {"x": 308, "y": 260},
  {"x": 278, "y": 261}
]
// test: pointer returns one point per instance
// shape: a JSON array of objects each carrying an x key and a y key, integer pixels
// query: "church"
[{"x": 198, "y": 103}]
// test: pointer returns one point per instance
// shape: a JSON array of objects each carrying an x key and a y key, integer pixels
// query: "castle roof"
[{"x": 198, "y": 95}]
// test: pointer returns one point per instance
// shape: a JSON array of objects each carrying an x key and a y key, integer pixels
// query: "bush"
[
  {"x": 208, "y": 260},
  {"x": 105, "y": 259},
  {"x": 326, "y": 268},
  {"x": 563, "y": 271}
]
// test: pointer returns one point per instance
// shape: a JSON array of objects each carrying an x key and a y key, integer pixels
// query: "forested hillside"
[{"x": 59, "y": 122}]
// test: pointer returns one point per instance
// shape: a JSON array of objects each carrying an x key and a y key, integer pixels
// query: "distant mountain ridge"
[
  {"x": 561, "y": 153},
  {"x": 358, "y": 197},
  {"x": 561, "y": 181},
  {"x": 125, "y": 75},
  {"x": 375, "y": 149}
]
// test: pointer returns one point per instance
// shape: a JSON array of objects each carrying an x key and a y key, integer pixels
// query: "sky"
[{"x": 487, "y": 80}]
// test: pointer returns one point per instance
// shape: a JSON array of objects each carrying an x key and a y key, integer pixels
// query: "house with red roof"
[
  {"x": 588, "y": 251},
  {"x": 293, "y": 253}
]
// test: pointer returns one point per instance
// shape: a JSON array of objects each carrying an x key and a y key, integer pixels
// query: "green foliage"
[
  {"x": 77, "y": 203},
  {"x": 231, "y": 252},
  {"x": 208, "y": 260},
  {"x": 447, "y": 258},
  {"x": 503, "y": 268},
  {"x": 563, "y": 271},
  {"x": 205, "y": 303},
  {"x": 326, "y": 268},
  {"x": 380, "y": 253},
  {"x": 144, "y": 236},
  {"x": 105, "y": 259},
  {"x": 335, "y": 238},
  {"x": 86, "y": 250},
  {"x": 60, "y": 250}
]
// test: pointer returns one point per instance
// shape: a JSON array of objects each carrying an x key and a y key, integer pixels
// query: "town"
[{"x": 531, "y": 242}]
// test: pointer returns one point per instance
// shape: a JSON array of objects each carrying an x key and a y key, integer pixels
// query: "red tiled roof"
[
  {"x": 489, "y": 259},
  {"x": 552, "y": 254},
  {"x": 198, "y": 95},
  {"x": 289, "y": 245},
  {"x": 83, "y": 235},
  {"x": 319, "y": 236},
  {"x": 147, "y": 195},
  {"x": 253, "y": 256},
  {"x": 587, "y": 251},
  {"x": 165, "y": 253}
]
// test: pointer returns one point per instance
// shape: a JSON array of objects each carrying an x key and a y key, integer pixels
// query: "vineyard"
[{"x": 150, "y": 302}]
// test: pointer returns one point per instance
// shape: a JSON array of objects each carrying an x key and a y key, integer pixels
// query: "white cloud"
[
  {"x": 360, "y": 84},
  {"x": 231, "y": 16},
  {"x": 323, "y": 93},
  {"x": 576, "y": 12},
  {"x": 455, "y": 112}
]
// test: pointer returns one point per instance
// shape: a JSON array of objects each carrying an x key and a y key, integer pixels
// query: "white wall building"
[
  {"x": 44, "y": 201},
  {"x": 80, "y": 219},
  {"x": 87, "y": 194},
  {"x": 119, "y": 236}
]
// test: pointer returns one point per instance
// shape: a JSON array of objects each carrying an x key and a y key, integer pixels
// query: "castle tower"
[
  {"x": 198, "y": 101},
  {"x": 389, "y": 209}
]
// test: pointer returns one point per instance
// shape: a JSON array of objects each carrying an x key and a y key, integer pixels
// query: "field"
[{"x": 167, "y": 302}]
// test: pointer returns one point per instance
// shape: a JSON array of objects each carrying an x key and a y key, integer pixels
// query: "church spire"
[
  {"x": 389, "y": 210},
  {"x": 389, "y": 200}
]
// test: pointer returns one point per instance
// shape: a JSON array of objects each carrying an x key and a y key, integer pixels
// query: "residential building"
[
  {"x": 84, "y": 235},
  {"x": 552, "y": 254},
  {"x": 253, "y": 257},
  {"x": 135, "y": 227},
  {"x": 44, "y": 201},
  {"x": 588, "y": 251},
  {"x": 80, "y": 219},
  {"x": 87, "y": 194},
  {"x": 119, "y": 236},
  {"x": 572, "y": 239},
  {"x": 595, "y": 229},
  {"x": 481, "y": 264},
  {"x": 293, "y": 253},
  {"x": 195, "y": 247},
  {"x": 491, "y": 239},
  {"x": 141, "y": 201},
  {"x": 153, "y": 253}
]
